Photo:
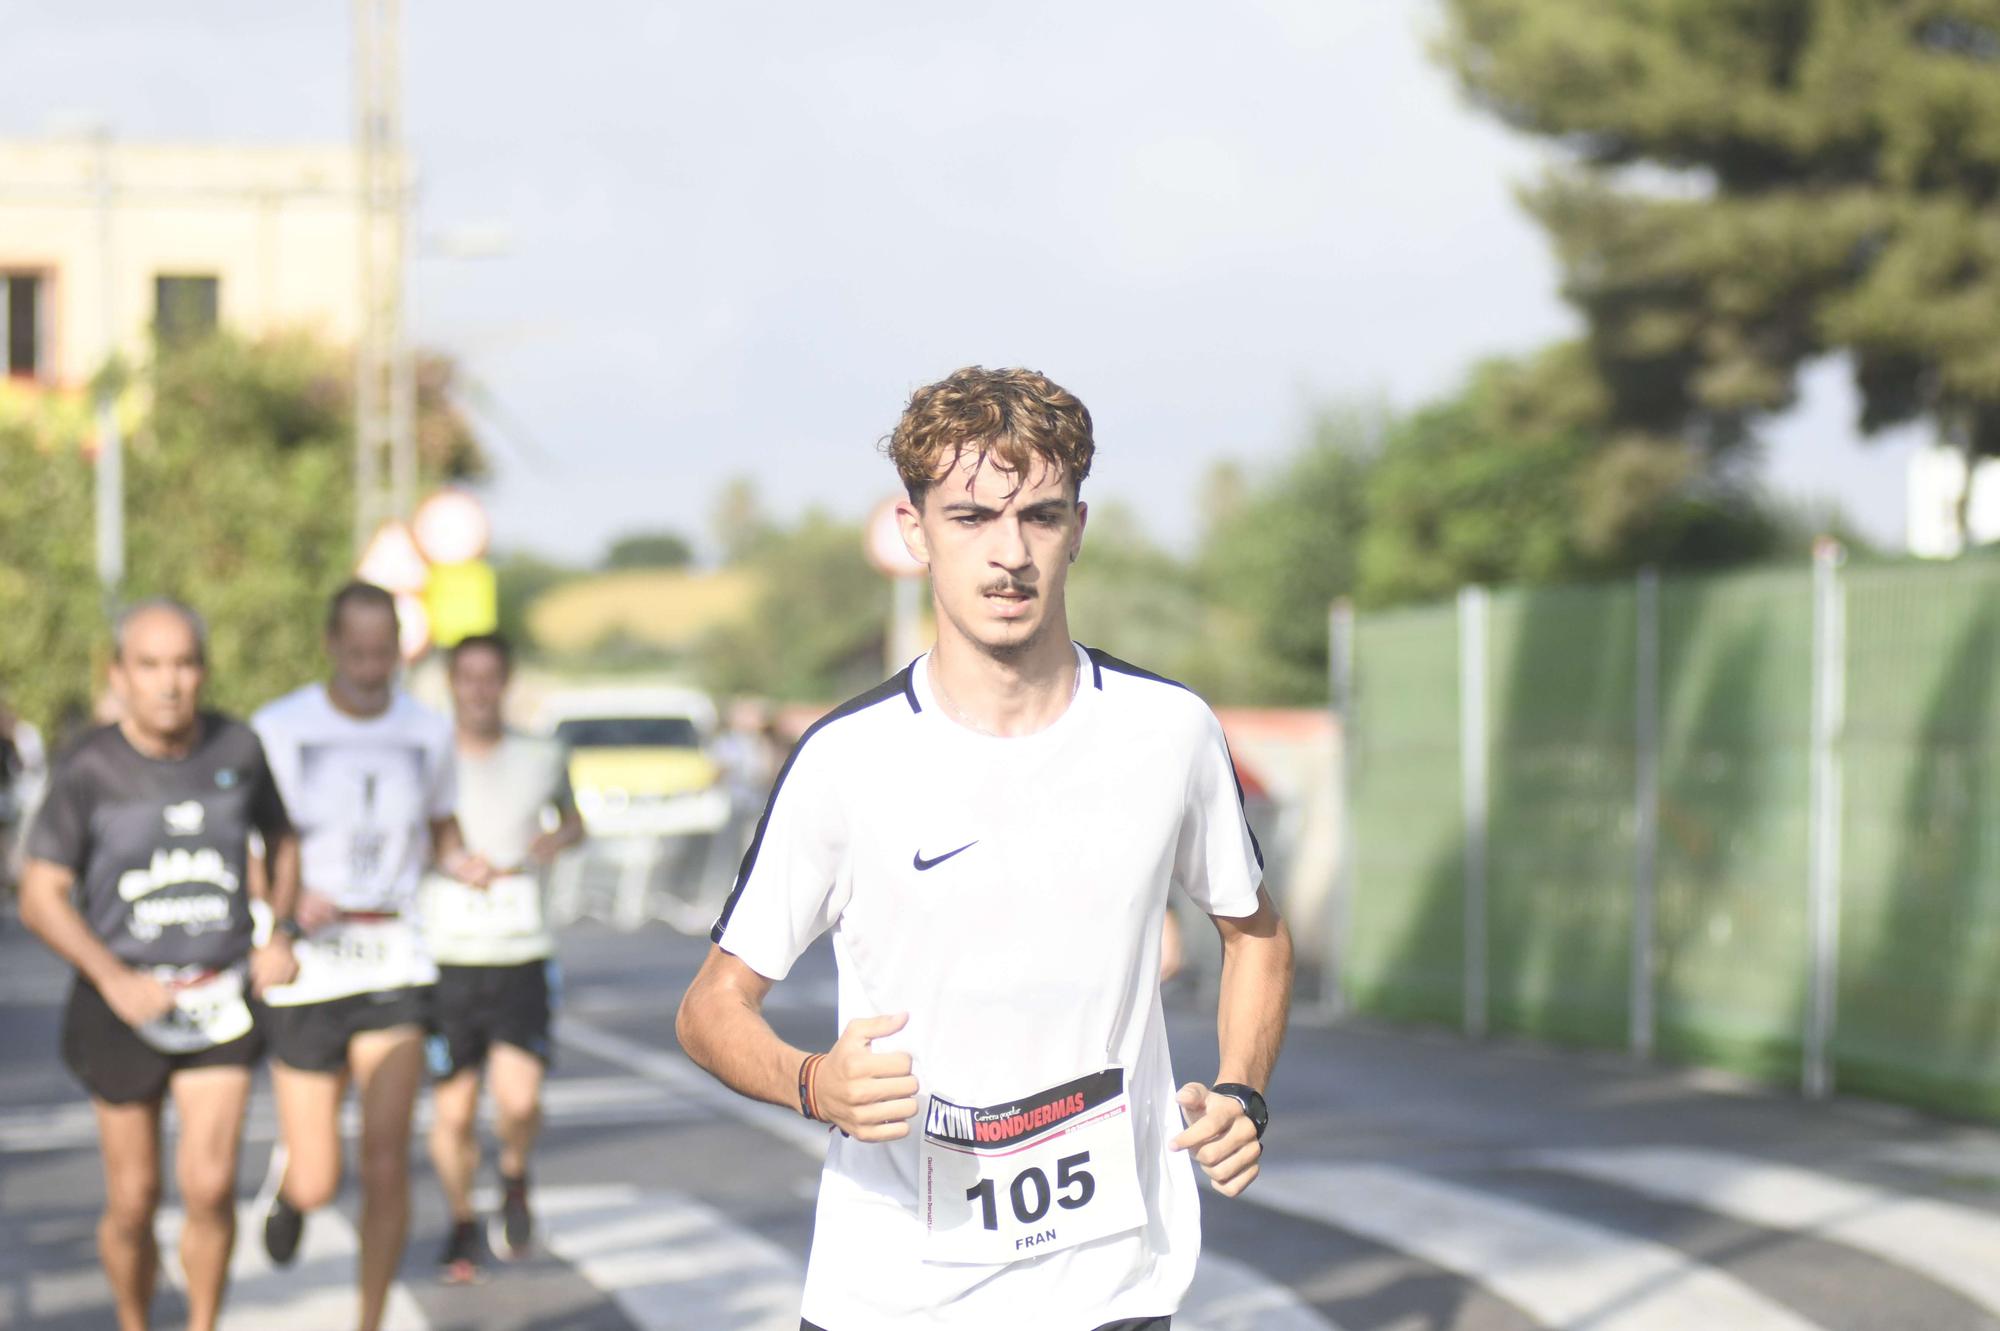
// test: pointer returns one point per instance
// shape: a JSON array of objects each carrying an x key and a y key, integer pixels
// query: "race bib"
[
  {"x": 1000, "y": 1183},
  {"x": 510, "y": 907},
  {"x": 356, "y": 957},
  {"x": 206, "y": 1013}
]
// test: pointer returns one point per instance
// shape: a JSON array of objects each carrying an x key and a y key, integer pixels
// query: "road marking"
[
  {"x": 681, "y": 1076},
  {"x": 670, "y": 1261},
  {"x": 69, "y": 1126},
  {"x": 1952, "y": 1244},
  {"x": 72, "y": 1125},
  {"x": 1561, "y": 1271},
  {"x": 1228, "y": 1295},
  {"x": 317, "y": 1292}
]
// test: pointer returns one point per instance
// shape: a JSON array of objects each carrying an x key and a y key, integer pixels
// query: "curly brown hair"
[{"x": 1014, "y": 418}]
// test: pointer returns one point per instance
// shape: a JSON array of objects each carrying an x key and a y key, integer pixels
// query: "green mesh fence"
[
  {"x": 1734, "y": 762},
  {"x": 1404, "y": 954},
  {"x": 1560, "y": 679},
  {"x": 1918, "y": 1015},
  {"x": 1731, "y": 747}
]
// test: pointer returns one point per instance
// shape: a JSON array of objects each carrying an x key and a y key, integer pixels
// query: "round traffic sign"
[{"x": 884, "y": 544}]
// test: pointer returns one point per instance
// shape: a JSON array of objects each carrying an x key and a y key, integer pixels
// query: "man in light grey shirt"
[{"x": 495, "y": 954}]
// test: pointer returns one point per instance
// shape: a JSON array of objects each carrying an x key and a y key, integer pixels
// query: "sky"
[{"x": 738, "y": 236}]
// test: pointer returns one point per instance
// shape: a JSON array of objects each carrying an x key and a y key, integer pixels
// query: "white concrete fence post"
[
  {"x": 1474, "y": 759},
  {"x": 1646, "y": 808},
  {"x": 1340, "y": 667},
  {"x": 1829, "y": 714}
]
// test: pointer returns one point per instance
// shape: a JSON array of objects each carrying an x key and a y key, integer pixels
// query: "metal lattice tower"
[{"x": 385, "y": 459}]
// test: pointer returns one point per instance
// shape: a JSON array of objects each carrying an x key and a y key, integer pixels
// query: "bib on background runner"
[
  {"x": 353, "y": 956},
  {"x": 459, "y": 913},
  {"x": 1047, "y": 1171},
  {"x": 208, "y": 1010}
]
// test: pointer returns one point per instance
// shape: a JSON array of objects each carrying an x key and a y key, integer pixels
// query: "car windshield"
[{"x": 628, "y": 732}]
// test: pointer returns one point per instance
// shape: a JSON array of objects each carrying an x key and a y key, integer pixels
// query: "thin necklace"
[{"x": 937, "y": 687}]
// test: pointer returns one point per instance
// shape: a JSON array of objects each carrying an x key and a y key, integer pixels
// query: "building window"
[
  {"x": 21, "y": 304},
  {"x": 184, "y": 307}
]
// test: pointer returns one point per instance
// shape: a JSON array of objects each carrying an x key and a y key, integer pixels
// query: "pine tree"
[{"x": 1754, "y": 183}]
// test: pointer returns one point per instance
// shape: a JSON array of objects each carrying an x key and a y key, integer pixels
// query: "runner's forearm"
[
  {"x": 1256, "y": 996},
  {"x": 282, "y": 877},
  {"x": 722, "y": 1028},
  {"x": 47, "y": 911},
  {"x": 569, "y": 831},
  {"x": 447, "y": 842}
]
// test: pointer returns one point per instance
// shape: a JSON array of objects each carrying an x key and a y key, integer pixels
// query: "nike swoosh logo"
[{"x": 922, "y": 864}]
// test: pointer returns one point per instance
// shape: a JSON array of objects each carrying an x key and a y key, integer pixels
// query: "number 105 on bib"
[{"x": 1033, "y": 1175}]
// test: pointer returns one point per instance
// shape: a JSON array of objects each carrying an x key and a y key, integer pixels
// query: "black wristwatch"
[
  {"x": 1247, "y": 1096},
  {"x": 289, "y": 927}
]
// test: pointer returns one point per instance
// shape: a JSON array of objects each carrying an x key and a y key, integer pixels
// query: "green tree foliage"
[
  {"x": 1825, "y": 175},
  {"x": 1275, "y": 559},
  {"x": 1131, "y": 598},
  {"x": 520, "y": 577},
  {"x": 238, "y": 499},
  {"x": 818, "y": 631},
  {"x": 739, "y": 523},
  {"x": 649, "y": 549},
  {"x": 49, "y": 604},
  {"x": 1522, "y": 477}
]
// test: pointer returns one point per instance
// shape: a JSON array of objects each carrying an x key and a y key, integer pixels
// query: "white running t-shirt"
[
  {"x": 1008, "y": 895},
  {"x": 363, "y": 792},
  {"x": 502, "y": 797}
]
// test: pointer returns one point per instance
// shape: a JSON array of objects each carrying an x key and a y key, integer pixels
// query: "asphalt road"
[{"x": 1413, "y": 1182}]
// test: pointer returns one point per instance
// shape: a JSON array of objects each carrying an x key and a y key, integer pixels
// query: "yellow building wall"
[{"x": 279, "y": 228}]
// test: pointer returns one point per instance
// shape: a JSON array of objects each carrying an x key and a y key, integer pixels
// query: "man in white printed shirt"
[
  {"x": 366, "y": 771},
  {"x": 990, "y": 837}
]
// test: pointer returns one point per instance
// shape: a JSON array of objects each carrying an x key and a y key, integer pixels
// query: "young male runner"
[
  {"x": 137, "y": 875},
  {"x": 990, "y": 836},
  {"x": 367, "y": 773},
  {"x": 494, "y": 951}
]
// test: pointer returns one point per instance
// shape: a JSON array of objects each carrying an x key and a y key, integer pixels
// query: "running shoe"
[
  {"x": 514, "y": 1228},
  {"x": 283, "y": 1226},
  {"x": 284, "y": 1223},
  {"x": 459, "y": 1263}
]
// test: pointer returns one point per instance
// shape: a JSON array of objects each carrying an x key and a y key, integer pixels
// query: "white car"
[{"x": 639, "y": 760}]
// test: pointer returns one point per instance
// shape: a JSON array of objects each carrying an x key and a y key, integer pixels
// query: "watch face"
[{"x": 1253, "y": 1104}]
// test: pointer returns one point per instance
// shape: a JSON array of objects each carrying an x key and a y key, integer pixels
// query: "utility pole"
[
  {"x": 110, "y": 486},
  {"x": 385, "y": 454}
]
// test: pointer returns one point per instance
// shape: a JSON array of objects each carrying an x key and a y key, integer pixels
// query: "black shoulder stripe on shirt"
[
  {"x": 898, "y": 685},
  {"x": 1102, "y": 661}
]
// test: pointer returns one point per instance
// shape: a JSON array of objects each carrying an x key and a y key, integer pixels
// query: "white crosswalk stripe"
[
  {"x": 1561, "y": 1271},
  {"x": 1228, "y": 1295},
  {"x": 676, "y": 1073},
  {"x": 315, "y": 1293},
  {"x": 72, "y": 1125},
  {"x": 669, "y": 1261},
  {"x": 1952, "y": 1244}
]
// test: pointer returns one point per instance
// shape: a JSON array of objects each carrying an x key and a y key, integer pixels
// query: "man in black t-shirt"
[{"x": 138, "y": 876}]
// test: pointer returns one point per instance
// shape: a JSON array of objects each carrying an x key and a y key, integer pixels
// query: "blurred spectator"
[
  {"x": 748, "y": 753},
  {"x": 24, "y": 774}
]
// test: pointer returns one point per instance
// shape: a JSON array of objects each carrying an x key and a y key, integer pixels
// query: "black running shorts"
[
  {"x": 312, "y": 1037},
  {"x": 118, "y": 1067},
  {"x": 481, "y": 1006}
]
